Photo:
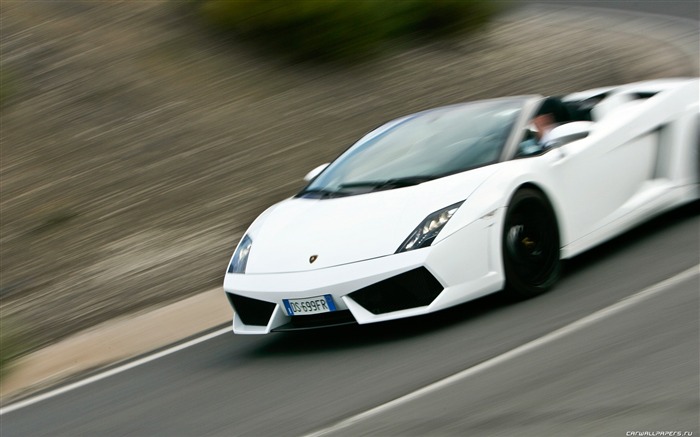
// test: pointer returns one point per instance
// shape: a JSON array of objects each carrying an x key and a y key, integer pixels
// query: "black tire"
[{"x": 530, "y": 245}]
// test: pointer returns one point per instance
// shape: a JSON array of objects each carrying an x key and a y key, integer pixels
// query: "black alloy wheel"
[{"x": 530, "y": 244}]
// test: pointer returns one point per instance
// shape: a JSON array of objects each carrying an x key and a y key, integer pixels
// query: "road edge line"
[
  {"x": 106, "y": 374},
  {"x": 572, "y": 327}
]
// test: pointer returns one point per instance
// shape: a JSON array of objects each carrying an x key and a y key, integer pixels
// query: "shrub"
[
  {"x": 342, "y": 29},
  {"x": 440, "y": 18},
  {"x": 10, "y": 346},
  {"x": 7, "y": 86}
]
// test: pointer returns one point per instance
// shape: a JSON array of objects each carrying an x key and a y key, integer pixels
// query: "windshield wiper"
[
  {"x": 389, "y": 183},
  {"x": 320, "y": 193}
]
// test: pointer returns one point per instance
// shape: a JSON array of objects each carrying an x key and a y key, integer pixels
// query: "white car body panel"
[
  {"x": 299, "y": 228},
  {"x": 639, "y": 159}
]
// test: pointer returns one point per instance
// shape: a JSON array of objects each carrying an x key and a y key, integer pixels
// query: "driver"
[{"x": 551, "y": 114}]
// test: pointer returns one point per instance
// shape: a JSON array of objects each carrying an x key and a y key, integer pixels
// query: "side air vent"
[{"x": 415, "y": 288}]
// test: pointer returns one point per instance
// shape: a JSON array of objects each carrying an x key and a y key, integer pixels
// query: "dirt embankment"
[{"x": 136, "y": 149}]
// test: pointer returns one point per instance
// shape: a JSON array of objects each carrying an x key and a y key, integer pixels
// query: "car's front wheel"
[{"x": 530, "y": 244}]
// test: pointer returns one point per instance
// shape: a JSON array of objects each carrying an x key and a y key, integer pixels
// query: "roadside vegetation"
[
  {"x": 7, "y": 85},
  {"x": 11, "y": 345},
  {"x": 343, "y": 30}
]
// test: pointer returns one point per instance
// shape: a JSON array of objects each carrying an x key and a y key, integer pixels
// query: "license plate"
[{"x": 309, "y": 305}]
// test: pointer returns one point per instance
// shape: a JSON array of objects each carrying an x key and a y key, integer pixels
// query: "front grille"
[
  {"x": 414, "y": 288},
  {"x": 251, "y": 311},
  {"x": 334, "y": 318}
]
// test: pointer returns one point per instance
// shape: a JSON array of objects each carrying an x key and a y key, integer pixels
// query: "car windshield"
[{"x": 421, "y": 147}]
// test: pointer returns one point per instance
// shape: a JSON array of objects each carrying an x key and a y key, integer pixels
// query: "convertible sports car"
[{"x": 444, "y": 206}]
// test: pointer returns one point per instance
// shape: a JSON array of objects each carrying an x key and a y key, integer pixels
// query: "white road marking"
[
  {"x": 513, "y": 353},
  {"x": 123, "y": 368}
]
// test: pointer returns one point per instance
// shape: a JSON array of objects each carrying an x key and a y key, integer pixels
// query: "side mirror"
[
  {"x": 315, "y": 172},
  {"x": 568, "y": 132}
]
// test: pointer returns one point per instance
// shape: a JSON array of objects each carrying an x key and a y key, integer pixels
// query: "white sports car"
[{"x": 444, "y": 206}]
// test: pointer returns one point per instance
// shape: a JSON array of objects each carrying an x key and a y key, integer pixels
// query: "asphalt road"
[
  {"x": 637, "y": 370},
  {"x": 689, "y": 9},
  {"x": 634, "y": 371}
]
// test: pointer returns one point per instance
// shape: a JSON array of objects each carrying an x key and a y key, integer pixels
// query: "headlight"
[
  {"x": 240, "y": 256},
  {"x": 426, "y": 232}
]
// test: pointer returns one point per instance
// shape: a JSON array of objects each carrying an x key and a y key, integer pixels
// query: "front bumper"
[
  {"x": 257, "y": 298},
  {"x": 386, "y": 288}
]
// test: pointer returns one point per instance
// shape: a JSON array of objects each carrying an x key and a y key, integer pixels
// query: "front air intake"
[
  {"x": 414, "y": 288},
  {"x": 251, "y": 311}
]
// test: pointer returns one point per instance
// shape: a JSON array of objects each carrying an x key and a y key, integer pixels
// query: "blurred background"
[{"x": 140, "y": 139}]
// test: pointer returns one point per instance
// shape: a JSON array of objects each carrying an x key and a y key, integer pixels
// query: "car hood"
[{"x": 349, "y": 229}]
